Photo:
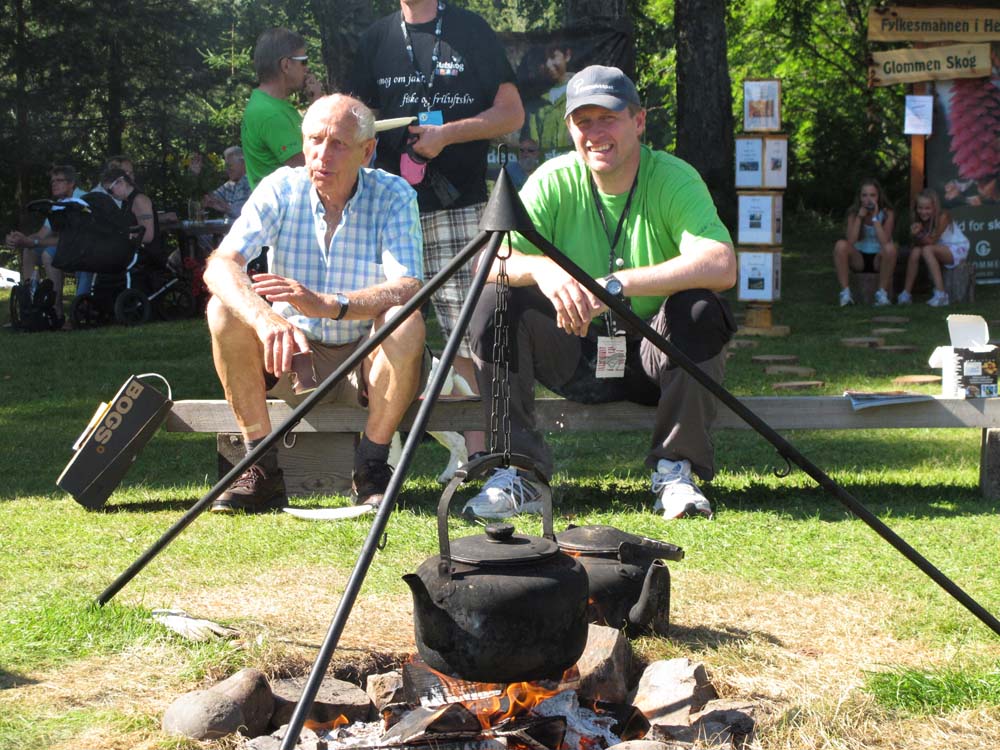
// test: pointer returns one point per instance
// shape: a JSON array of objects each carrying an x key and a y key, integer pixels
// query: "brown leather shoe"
[
  {"x": 370, "y": 482},
  {"x": 255, "y": 491}
]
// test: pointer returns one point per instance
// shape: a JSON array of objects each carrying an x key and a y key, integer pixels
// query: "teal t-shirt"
[
  {"x": 671, "y": 209},
  {"x": 271, "y": 134}
]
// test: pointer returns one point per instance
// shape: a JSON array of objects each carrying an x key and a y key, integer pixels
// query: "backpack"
[
  {"x": 34, "y": 312},
  {"x": 94, "y": 235}
]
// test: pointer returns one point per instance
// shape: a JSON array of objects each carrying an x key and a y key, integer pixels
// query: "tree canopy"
[{"x": 157, "y": 79}]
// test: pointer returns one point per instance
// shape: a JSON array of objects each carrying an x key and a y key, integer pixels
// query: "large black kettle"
[
  {"x": 499, "y": 606},
  {"x": 628, "y": 581}
]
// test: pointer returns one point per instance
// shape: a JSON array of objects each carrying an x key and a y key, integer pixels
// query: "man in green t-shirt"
[
  {"x": 643, "y": 224},
  {"x": 271, "y": 133}
]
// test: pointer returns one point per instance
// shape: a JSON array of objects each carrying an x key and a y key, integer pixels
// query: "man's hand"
[
  {"x": 574, "y": 305},
  {"x": 215, "y": 202},
  {"x": 430, "y": 140},
  {"x": 280, "y": 340},
  {"x": 276, "y": 288}
]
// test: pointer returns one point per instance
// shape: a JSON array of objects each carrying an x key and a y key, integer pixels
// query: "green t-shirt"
[
  {"x": 271, "y": 134},
  {"x": 671, "y": 209}
]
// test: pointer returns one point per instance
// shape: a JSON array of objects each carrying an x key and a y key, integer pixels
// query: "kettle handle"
[{"x": 474, "y": 470}]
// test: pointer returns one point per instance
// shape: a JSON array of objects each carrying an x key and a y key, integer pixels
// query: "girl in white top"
[{"x": 936, "y": 239}]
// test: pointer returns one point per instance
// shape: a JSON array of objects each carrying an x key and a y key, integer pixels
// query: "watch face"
[{"x": 614, "y": 287}]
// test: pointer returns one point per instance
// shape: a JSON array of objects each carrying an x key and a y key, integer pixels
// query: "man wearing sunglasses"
[{"x": 271, "y": 133}]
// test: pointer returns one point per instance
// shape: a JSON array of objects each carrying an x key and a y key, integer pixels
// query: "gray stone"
[
  {"x": 668, "y": 693},
  {"x": 264, "y": 742},
  {"x": 203, "y": 715},
  {"x": 385, "y": 689},
  {"x": 334, "y": 698},
  {"x": 250, "y": 690},
  {"x": 604, "y": 665},
  {"x": 649, "y": 745},
  {"x": 725, "y": 723}
]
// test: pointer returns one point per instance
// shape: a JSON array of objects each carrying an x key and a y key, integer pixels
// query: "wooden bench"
[{"x": 317, "y": 453}]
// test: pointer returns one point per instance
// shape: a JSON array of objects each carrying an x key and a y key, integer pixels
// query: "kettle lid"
[
  {"x": 501, "y": 546},
  {"x": 607, "y": 540}
]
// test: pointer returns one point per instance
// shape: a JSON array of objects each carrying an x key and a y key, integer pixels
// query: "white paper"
[
  {"x": 330, "y": 514},
  {"x": 775, "y": 162},
  {"x": 749, "y": 170},
  {"x": 919, "y": 115}
]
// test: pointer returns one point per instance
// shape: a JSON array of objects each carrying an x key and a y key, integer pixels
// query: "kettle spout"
[
  {"x": 433, "y": 626},
  {"x": 654, "y": 598}
]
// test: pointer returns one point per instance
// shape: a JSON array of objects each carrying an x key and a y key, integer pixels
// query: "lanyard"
[
  {"x": 427, "y": 83},
  {"x": 613, "y": 261}
]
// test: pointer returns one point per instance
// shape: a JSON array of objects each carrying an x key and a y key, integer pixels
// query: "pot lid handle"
[{"x": 475, "y": 469}]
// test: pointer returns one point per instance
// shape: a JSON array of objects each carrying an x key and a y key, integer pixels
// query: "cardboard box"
[
  {"x": 969, "y": 366},
  {"x": 760, "y": 276},
  {"x": 759, "y": 218}
]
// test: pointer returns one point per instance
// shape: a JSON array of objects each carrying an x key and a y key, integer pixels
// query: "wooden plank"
[
  {"x": 780, "y": 412},
  {"x": 929, "y": 64}
]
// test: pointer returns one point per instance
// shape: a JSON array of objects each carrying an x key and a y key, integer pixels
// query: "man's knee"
[
  {"x": 220, "y": 318},
  {"x": 699, "y": 323},
  {"x": 406, "y": 342}
]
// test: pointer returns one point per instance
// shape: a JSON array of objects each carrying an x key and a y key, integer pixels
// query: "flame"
[{"x": 326, "y": 726}]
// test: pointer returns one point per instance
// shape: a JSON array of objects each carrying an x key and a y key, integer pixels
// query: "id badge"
[
  {"x": 432, "y": 117},
  {"x": 611, "y": 351}
]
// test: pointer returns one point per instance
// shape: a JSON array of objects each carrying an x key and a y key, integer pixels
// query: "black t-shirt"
[{"x": 471, "y": 66}]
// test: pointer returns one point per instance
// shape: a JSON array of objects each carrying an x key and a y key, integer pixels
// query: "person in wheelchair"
[{"x": 121, "y": 186}]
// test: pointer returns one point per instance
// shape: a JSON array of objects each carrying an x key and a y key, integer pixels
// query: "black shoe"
[
  {"x": 370, "y": 482},
  {"x": 255, "y": 491}
]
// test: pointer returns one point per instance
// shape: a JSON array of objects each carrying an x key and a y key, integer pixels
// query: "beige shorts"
[{"x": 351, "y": 390}]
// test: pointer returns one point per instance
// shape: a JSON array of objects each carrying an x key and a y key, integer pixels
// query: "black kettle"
[
  {"x": 499, "y": 606},
  {"x": 628, "y": 581}
]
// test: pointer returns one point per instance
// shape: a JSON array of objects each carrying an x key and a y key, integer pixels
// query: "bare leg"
[
  {"x": 393, "y": 376},
  {"x": 887, "y": 265},
  {"x": 239, "y": 361},
  {"x": 934, "y": 256},
  {"x": 841, "y": 262}
]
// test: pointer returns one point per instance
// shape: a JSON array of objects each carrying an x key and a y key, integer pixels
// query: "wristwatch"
[
  {"x": 344, "y": 304},
  {"x": 613, "y": 286}
]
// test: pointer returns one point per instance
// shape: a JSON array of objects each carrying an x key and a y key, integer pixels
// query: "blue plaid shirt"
[
  {"x": 378, "y": 239},
  {"x": 235, "y": 194}
]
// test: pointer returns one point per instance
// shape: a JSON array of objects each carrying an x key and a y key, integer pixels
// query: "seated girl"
[
  {"x": 868, "y": 246},
  {"x": 936, "y": 239}
]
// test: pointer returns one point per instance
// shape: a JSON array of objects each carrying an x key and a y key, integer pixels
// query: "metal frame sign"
[
  {"x": 905, "y": 24},
  {"x": 929, "y": 64}
]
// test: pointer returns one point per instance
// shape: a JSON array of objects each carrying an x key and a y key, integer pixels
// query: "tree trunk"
[
  {"x": 704, "y": 99},
  {"x": 21, "y": 106},
  {"x": 340, "y": 24}
]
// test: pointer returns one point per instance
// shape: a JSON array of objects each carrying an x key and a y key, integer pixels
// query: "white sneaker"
[
  {"x": 881, "y": 298},
  {"x": 507, "y": 493},
  {"x": 845, "y": 297},
  {"x": 904, "y": 298},
  {"x": 676, "y": 493},
  {"x": 939, "y": 299}
]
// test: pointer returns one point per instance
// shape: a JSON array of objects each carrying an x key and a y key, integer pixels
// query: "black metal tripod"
[{"x": 504, "y": 213}]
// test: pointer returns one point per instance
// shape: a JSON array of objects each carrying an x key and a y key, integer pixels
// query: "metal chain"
[{"x": 500, "y": 387}]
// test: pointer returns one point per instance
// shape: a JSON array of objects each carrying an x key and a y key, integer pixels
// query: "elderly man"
[
  {"x": 229, "y": 197},
  {"x": 346, "y": 254},
  {"x": 271, "y": 124},
  {"x": 39, "y": 248},
  {"x": 642, "y": 223}
]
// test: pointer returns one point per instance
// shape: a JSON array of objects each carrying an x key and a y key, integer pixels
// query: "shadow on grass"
[
  {"x": 701, "y": 637},
  {"x": 9, "y": 680}
]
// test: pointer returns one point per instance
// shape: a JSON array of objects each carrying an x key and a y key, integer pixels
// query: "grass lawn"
[{"x": 789, "y": 601}]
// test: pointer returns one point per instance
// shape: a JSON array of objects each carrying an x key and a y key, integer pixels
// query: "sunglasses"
[{"x": 299, "y": 58}]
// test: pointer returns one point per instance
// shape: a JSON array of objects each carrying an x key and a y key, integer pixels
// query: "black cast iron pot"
[
  {"x": 500, "y": 606},
  {"x": 629, "y": 582}
]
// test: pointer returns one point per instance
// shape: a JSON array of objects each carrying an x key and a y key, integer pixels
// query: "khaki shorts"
[{"x": 351, "y": 390}]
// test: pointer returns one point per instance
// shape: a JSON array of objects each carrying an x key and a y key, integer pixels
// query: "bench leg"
[
  {"x": 315, "y": 464},
  {"x": 989, "y": 464}
]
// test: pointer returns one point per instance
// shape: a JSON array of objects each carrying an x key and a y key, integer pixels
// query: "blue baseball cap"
[{"x": 601, "y": 86}]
